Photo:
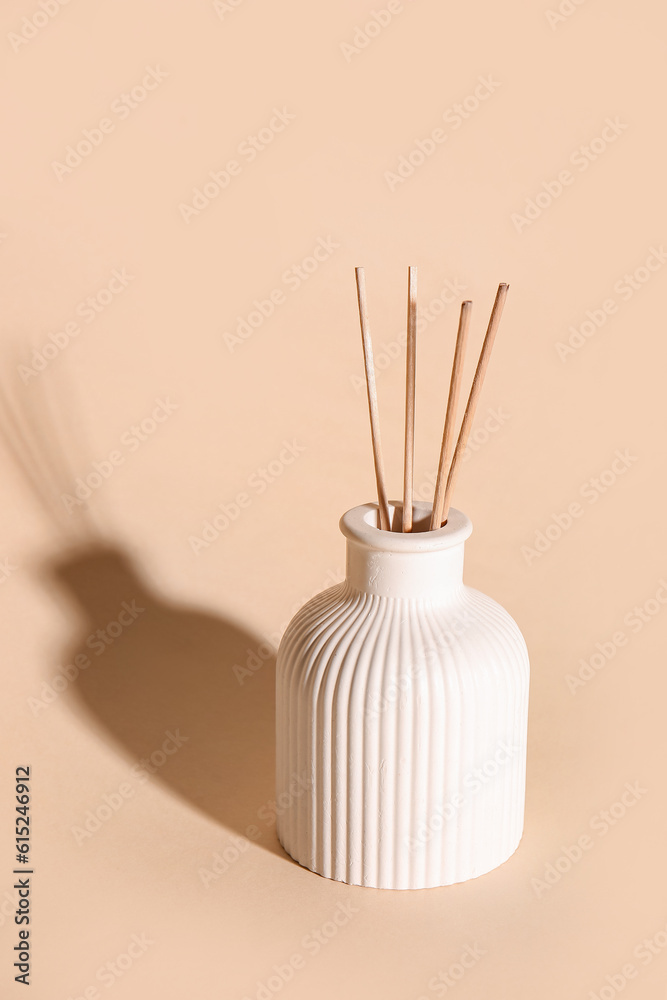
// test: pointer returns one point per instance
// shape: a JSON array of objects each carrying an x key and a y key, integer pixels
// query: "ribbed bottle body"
[{"x": 401, "y": 731}]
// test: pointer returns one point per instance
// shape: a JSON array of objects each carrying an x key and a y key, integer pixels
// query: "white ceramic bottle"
[{"x": 402, "y": 703}]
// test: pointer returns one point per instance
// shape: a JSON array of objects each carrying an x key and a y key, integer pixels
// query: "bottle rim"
[{"x": 361, "y": 525}]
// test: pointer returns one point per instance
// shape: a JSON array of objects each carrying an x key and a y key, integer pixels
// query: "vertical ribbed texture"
[{"x": 401, "y": 737}]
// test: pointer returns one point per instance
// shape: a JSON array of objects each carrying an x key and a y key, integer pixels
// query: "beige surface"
[{"x": 217, "y": 78}]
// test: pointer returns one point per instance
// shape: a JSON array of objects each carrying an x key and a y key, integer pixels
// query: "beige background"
[{"x": 222, "y": 72}]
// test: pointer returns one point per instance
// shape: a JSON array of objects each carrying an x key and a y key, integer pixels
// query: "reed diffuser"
[{"x": 402, "y": 694}]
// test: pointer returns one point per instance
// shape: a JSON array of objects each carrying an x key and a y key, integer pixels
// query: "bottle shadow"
[
  {"x": 165, "y": 682},
  {"x": 160, "y": 679}
]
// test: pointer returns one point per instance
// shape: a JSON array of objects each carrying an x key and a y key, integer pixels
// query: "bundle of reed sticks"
[{"x": 450, "y": 457}]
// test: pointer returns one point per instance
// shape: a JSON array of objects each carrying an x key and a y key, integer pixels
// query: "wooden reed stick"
[
  {"x": 372, "y": 400},
  {"x": 410, "y": 373},
  {"x": 450, "y": 416},
  {"x": 475, "y": 391}
]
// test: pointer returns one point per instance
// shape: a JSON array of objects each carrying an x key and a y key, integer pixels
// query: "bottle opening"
[
  {"x": 362, "y": 525},
  {"x": 421, "y": 519}
]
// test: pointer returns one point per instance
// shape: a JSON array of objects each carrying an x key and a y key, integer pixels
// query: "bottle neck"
[
  {"x": 421, "y": 564},
  {"x": 427, "y": 575}
]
